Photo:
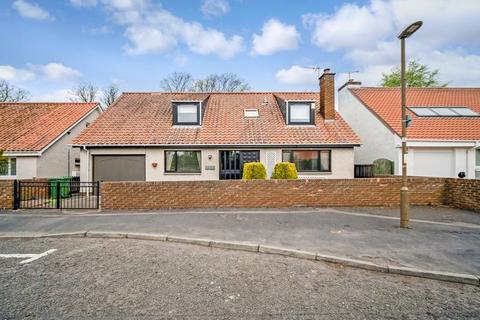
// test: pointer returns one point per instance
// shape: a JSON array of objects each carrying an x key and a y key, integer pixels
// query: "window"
[
  {"x": 443, "y": 112},
  {"x": 8, "y": 167},
  {"x": 477, "y": 157},
  {"x": 186, "y": 113},
  {"x": 250, "y": 113},
  {"x": 299, "y": 113},
  {"x": 309, "y": 160},
  {"x": 183, "y": 161}
]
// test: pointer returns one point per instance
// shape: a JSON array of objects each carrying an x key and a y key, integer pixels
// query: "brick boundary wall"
[
  {"x": 6, "y": 194},
  {"x": 462, "y": 193},
  {"x": 269, "y": 193}
]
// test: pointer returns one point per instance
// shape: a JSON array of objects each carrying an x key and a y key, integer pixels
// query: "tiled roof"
[
  {"x": 30, "y": 126},
  {"x": 146, "y": 119},
  {"x": 385, "y": 103}
]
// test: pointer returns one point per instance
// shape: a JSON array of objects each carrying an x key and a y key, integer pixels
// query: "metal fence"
[
  {"x": 364, "y": 171},
  {"x": 71, "y": 194}
]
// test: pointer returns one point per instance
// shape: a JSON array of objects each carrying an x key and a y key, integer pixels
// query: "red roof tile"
[
  {"x": 385, "y": 103},
  {"x": 30, "y": 126},
  {"x": 146, "y": 119}
]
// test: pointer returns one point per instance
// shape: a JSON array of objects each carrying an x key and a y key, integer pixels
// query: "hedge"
[
  {"x": 285, "y": 170},
  {"x": 254, "y": 170}
]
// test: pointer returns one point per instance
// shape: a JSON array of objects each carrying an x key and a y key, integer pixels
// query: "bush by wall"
[
  {"x": 285, "y": 170},
  {"x": 254, "y": 171}
]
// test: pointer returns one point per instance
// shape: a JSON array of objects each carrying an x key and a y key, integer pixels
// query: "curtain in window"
[
  {"x": 170, "y": 164},
  {"x": 300, "y": 113},
  {"x": 187, "y": 113}
]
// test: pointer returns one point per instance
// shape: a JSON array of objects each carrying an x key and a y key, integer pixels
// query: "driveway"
[
  {"x": 441, "y": 239},
  {"x": 134, "y": 279}
]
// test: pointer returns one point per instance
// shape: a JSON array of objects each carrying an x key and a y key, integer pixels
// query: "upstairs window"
[
  {"x": 8, "y": 167},
  {"x": 443, "y": 112},
  {"x": 250, "y": 113},
  {"x": 186, "y": 113},
  {"x": 300, "y": 113}
]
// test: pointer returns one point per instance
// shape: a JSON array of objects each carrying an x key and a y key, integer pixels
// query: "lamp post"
[{"x": 404, "y": 201}]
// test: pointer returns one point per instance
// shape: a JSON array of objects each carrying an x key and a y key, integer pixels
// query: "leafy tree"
[
  {"x": 3, "y": 163},
  {"x": 9, "y": 93},
  {"x": 177, "y": 82},
  {"x": 416, "y": 75},
  {"x": 110, "y": 94},
  {"x": 84, "y": 92}
]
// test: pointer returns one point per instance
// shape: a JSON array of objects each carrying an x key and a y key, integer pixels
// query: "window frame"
[
  {"x": 311, "y": 113},
  {"x": 176, "y": 162},
  {"x": 175, "y": 106},
  {"x": 9, "y": 167},
  {"x": 319, "y": 151}
]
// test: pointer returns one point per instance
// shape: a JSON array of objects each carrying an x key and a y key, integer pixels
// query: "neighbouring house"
[
  {"x": 443, "y": 138},
  {"x": 209, "y": 136},
  {"x": 35, "y": 138}
]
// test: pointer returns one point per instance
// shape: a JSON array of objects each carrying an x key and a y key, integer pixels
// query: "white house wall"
[
  {"x": 377, "y": 140},
  {"x": 342, "y": 163},
  {"x": 54, "y": 161}
]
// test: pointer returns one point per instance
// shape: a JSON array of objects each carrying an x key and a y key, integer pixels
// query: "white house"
[
  {"x": 209, "y": 136},
  {"x": 35, "y": 138},
  {"x": 443, "y": 139}
]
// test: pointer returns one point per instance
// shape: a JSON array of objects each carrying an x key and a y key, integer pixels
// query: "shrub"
[
  {"x": 285, "y": 170},
  {"x": 254, "y": 170}
]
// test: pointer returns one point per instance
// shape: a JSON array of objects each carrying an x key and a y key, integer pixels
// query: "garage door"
[
  {"x": 433, "y": 162},
  {"x": 119, "y": 168}
]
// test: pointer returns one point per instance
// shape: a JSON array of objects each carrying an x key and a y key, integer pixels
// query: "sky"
[{"x": 48, "y": 46}]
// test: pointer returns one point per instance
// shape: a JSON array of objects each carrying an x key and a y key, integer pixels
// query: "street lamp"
[{"x": 404, "y": 201}]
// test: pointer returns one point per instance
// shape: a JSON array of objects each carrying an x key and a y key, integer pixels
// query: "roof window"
[
  {"x": 443, "y": 112},
  {"x": 250, "y": 113}
]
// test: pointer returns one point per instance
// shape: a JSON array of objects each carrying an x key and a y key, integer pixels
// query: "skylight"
[
  {"x": 250, "y": 113},
  {"x": 443, "y": 112}
]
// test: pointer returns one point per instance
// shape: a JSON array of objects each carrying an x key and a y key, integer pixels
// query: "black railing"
[
  {"x": 71, "y": 194},
  {"x": 364, "y": 171}
]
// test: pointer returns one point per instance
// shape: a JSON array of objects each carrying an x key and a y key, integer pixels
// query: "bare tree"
[
  {"x": 9, "y": 93},
  {"x": 225, "y": 82},
  {"x": 177, "y": 82},
  {"x": 110, "y": 94},
  {"x": 84, "y": 92}
]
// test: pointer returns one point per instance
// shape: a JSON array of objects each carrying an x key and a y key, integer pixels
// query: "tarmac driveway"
[{"x": 441, "y": 239}]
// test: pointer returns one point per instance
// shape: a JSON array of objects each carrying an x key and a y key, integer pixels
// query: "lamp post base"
[{"x": 404, "y": 208}]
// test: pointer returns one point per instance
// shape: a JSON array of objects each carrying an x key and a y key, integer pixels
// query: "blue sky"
[{"x": 54, "y": 44}]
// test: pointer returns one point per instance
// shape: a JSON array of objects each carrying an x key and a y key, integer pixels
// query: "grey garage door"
[{"x": 119, "y": 168}]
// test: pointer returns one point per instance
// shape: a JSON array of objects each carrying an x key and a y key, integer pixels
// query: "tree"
[
  {"x": 84, "y": 92},
  {"x": 177, "y": 82},
  {"x": 9, "y": 93},
  {"x": 416, "y": 75},
  {"x": 225, "y": 82},
  {"x": 110, "y": 94}
]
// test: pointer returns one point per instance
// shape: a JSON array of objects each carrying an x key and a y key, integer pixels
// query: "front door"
[{"x": 231, "y": 162}]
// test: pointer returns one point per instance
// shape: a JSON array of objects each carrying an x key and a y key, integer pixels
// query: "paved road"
[
  {"x": 119, "y": 279},
  {"x": 442, "y": 239}
]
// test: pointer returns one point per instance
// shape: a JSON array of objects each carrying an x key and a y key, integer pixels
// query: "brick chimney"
[{"x": 327, "y": 95}]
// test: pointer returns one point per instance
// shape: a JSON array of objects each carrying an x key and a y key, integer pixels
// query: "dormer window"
[
  {"x": 300, "y": 113},
  {"x": 186, "y": 113}
]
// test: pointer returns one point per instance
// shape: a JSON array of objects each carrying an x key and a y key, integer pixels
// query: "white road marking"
[{"x": 31, "y": 256}]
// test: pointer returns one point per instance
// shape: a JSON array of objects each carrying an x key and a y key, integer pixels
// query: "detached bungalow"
[
  {"x": 35, "y": 138},
  {"x": 209, "y": 136},
  {"x": 444, "y": 136}
]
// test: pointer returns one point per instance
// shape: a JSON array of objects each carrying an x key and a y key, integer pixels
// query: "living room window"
[
  {"x": 309, "y": 160},
  {"x": 8, "y": 167},
  {"x": 183, "y": 161},
  {"x": 186, "y": 113},
  {"x": 300, "y": 113},
  {"x": 477, "y": 164}
]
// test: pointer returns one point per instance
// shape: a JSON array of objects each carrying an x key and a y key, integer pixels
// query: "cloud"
[
  {"x": 275, "y": 37},
  {"x": 31, "y": 10},
  {"x": 56, "y": 72},
  {"x": 84, "y": 3},
  {"x": 152, "y": 29},
  {"x": 215, "y": 8},
  {"x": 366, "y": 35},
  {"x": 59, "y": 95},
  {"x": 297, "y": 75},
  {"x": 15, "y": 75}
]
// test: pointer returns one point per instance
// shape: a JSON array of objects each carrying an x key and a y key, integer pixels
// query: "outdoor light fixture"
[{"x": 406, "y": 121}]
